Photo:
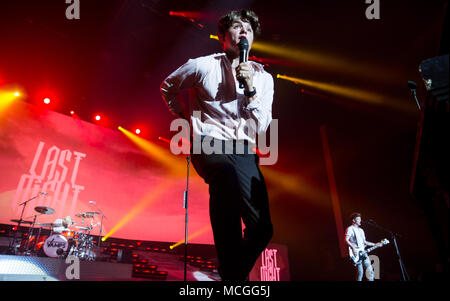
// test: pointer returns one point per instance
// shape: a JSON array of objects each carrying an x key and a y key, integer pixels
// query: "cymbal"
[
  {"x": 44, "y": 210},
  {"x": 82, "y": 228},
  {"x": 87, "y": 214},
  {"x": 21, "y": 221},
  {"x": 92, "y": 213},
  {"x": 47, "y": 225}
]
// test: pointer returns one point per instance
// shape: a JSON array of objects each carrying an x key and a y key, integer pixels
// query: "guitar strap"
[{"x": 356, "y": 238}]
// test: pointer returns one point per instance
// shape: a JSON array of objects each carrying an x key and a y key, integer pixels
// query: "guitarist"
[{"x": 356, "y": 239}]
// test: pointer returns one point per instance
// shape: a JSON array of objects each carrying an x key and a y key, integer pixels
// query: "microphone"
[
  {"x": 243, "y": 55},
  {"x": 413, "y": 86}
]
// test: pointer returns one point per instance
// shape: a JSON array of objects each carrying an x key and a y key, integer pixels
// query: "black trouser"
[{"x": 237, "y": 190}]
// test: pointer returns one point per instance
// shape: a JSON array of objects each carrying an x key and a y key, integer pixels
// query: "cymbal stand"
[
  {"x": 101, "y": 223},
  {"x": 37, "y": 239},
  {"x": 30, "y": 232}
]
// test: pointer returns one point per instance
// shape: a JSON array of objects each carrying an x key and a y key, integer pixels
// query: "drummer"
[{"x": 62, "y": 224}]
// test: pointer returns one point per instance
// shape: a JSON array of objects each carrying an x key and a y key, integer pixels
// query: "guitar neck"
[{"x": 372, "y": 248}]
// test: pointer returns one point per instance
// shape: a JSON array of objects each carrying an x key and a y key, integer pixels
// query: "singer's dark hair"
[
  {"x": 245, "y": 15},
  {"x": 354, "y": 215}
]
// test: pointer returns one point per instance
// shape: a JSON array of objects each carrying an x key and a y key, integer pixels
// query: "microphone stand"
[
  {"x": 13, "y": 247},
  {"x": 394, "y": 236},
  {"x": 412, "y": 86},
  {"x": 185, "y": 206}
]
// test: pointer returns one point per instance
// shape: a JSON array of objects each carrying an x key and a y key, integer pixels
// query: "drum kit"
[{"x": 65, "y": 238}]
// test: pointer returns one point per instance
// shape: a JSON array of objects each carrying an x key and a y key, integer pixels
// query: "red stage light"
[
  {"x": 138, "y": 131},
  {"x": 72, "y": 112},
  {"x": 98, "y": 117},
  {"x": 46, "y": 100}
]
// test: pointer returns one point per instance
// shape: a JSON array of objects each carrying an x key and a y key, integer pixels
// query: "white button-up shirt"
[
  {"x": 218, "y": 107},
  {"x": 357, "y": 236}
]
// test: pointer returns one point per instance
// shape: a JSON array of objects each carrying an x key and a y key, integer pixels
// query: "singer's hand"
[{"x": 245, "y": 72}]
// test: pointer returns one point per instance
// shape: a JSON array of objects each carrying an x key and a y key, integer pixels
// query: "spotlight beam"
[
  {"x": 139, "y": 207},
  {"x": 321, "y": 60},
  {"x": 193, "y": 235},
  {"x": 161, "y": 155},
  {"x": 353, "y": 93},
  {"x": 338, "y": 90}
]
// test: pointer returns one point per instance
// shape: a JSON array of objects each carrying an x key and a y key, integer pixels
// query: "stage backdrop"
[{"x": 84, "y": 167}]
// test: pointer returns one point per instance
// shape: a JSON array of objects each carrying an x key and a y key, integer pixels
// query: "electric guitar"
[{"x": 361, "y": 254}]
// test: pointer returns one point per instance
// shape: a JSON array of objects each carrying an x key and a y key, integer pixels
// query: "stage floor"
[{"x": 32, "y": 268}]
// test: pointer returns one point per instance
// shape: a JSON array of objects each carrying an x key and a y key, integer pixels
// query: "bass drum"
[{"x": 55, "y": 245}]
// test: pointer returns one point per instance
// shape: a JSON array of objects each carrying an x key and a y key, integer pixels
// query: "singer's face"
[
  {"x": 357, "y": 220},
  {"x": 233, "y": 35}
]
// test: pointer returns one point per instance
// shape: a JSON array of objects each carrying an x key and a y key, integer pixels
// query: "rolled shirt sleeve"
[
  {"x": 261, "y": 107},
  {"x": 184, "y": 77}
]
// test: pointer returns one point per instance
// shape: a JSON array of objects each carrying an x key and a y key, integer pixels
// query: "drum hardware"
[
  {"x": 93, "y": 203},
  {"x": 30, "y": 232},
  {"x": 13, "y": 244},
  {"x": 42, "y": 210},
  {"x": 76, "y": 241},
  {"x": 21, "y": 221},
  {"x": 83, "y": 246}
]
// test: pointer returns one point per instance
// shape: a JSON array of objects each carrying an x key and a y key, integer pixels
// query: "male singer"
[
  {"x": 236, "y": 186},
  {"x": 356, "y": 240}
]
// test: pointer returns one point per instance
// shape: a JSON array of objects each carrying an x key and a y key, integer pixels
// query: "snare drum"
[{"x": 55, "y": 245}]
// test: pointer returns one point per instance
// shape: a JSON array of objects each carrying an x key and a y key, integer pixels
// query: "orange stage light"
[
  {"x": 146, "y": 201},
  {"x": 193, "y": 235},
  {"x": 352, "y": 93},
  {"x": 174, "y": 164}
]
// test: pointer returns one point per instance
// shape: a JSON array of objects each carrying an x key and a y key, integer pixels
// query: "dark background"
[{"x": 113, "y": 59}]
